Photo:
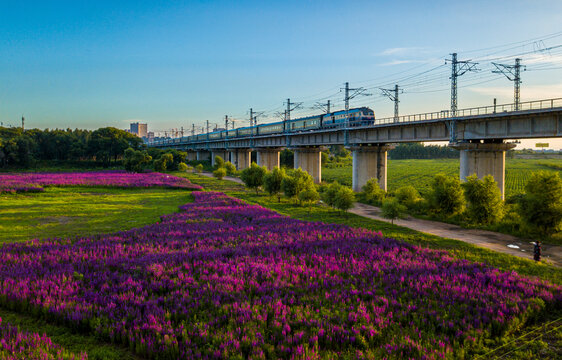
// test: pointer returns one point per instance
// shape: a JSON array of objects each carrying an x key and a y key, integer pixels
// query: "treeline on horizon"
[{"x": 23, "y": 149}]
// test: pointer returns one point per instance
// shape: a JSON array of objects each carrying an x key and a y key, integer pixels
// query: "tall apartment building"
[{"x": 138, "y": 129}]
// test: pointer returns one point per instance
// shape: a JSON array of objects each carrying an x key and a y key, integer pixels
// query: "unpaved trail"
[{"x": 503, "y": 243}]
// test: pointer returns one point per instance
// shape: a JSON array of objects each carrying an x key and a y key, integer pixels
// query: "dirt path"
[{"x": 504, "y": 243}]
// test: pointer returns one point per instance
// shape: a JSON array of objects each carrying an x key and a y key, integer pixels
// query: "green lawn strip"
[
  {"x": 460, "y": 249},
  {"x": 61, "y": 335},
  {"x": 81, "y": 211}
]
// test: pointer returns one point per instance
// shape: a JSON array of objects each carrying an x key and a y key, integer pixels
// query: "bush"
[
  {"x": 298, "y": 181},
  {"x": 392, "y": 209},
  {"x": 372, "y": 192},
  {"x": 272, "y": 182},
  {"x": 162, "y": 163},
  {"x": 219, "y": 173},
  {"x": 199, "y": 168},
  {"x": 309, "y": 196},
  {"x": 329, "y": 193},
  {"x": 541, "y": 206},
  {"x": 344, "y": 198},
  {"x": 484, "y": 200},
  {"x": 219, "y": 162},
  {"x": 446, "y": 196},
  {"x": 135, "y": 160},
  {"x": 253, "y": 176},
  {"x": 230, "y": 168},
  {"x": 182, "y": 167},
  {"x": 408, "y": 196}
]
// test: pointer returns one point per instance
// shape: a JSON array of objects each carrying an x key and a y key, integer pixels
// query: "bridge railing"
[{"x": 482, "y": 110}]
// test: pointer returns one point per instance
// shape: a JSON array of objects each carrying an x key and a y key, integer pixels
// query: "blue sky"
[{"x": 171, "y": 64}]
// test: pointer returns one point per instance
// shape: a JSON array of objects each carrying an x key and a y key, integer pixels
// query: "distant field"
[{"x": 419, "y": 173}]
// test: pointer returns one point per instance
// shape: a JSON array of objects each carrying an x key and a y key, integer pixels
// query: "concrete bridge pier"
[
  {"x": 222, "y": 153},
  {"x": 369, "y": 162},
  {"x": 487, "y": 158},
  {"x": 241, "y": 158},
  {"x": 268, "y": 157},
  {"x": 203, "y": 155},
  {"x": 191, "y": 155},
  {"x": 310, "y": 160}
]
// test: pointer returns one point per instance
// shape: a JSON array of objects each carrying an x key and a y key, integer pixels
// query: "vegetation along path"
[{"x": 504, "y": 243}]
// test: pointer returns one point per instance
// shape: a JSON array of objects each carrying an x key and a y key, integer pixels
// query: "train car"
[
  {"x": 306, "y": 123},
  {"x": 202, "y": 137},
  {"x": 230, "y": 133},
  {"x": 272, "y": 128},
  {"x": 215, "y": 135},
  {"x": 357, "y": 117},
  {"x": 245, "y": 131}
]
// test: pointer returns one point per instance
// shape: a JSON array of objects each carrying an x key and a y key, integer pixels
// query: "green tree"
[
  {"x": 541, "y": 206},
  {"x": 135, "y": 160},
  {"x": 272, "y": 182},
  {"x": 253, "y": 176},
  {"x": 199, "y": 168},
  {"x": 372, "y": 192},
  {"x": 108, "y": 144},
  {"x": 309, "y": 196},
  {"x": 484, "y": 199},
  {"x": 408, "y": 196},
  {"x": 162, "y": 163},
  {"x": 298, "y": 181},
  {"x": 230, "y": 168},
  {"x": 219, "y": 162},
  {"x": 446, "y": 196},
  {"x": 182, "y": 167},
  {"x": 329, "y": 193},
  {"x": 219, "y": 173},
  {"x": 344, "y": 198},
  {"x": 392, "y": 209}
]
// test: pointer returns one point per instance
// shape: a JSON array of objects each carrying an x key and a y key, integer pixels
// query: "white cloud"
[
  {"x": 399, "y": 62},
  {"x": 404, "y": 51}
]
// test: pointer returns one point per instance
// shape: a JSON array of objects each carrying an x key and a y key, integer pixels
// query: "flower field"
[
  {"x": 223, "y": 279},
  {"x": 34, "y": 182},
  {"x": 16, "y": 344}
]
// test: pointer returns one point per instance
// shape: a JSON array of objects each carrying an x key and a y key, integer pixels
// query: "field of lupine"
[
  {"x": 34, "y": 182},
  {"x": 223, "y": 279},
  {"x": 16, "y": 344}
]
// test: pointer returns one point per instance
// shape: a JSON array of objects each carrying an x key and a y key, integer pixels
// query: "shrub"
[
  {"x": 541, "y": 206},
  {"x": 408, "y": 196},
  {"x": 298, "y": 181},
  {"x": 219, "y": 173},
  {"x": 372, "y": 192},
  {"x": 199, "y": 168},
  {"x": 344, "y": 198},
  {"x": 272, "y": 182},
  {"x": 484, "y": 200},
  {"x": 329, "y": 193},
  {"x": 253, "y": 176},
  {"x": 230, "y": 168},
  {"x": 446, "y": 196},
  {"x": 182, "y": 167},
  {"x": 162, "y": 163},
  {"x": 135, "y": 160},
  {"x": 219, "y": 162},
  {"x": 308, "y": 196},
  {"x": 392, "y": 209}
]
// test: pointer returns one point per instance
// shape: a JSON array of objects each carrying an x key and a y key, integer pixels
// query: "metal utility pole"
[
  {"x": 393, "y": 95},
  {"x": 192, "y": 129},
  {"x": 251, "y": 117},
  {"x": 181, "y": 131},
  {"x": 22, "y": 123},
  {"x": 458, "y": 68},
  {"x": 350, "y": 94},
  {"x": 512, "y": 73},
  {"x": 290, "y": 107},
  {"x": 323, "y": 106},
  {"x": 226, "y": 122}
]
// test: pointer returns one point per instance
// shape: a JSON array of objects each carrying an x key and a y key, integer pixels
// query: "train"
[{"x": 362, "y": 116}]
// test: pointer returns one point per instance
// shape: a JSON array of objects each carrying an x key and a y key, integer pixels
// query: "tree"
[
  {"x": 446, "y": 196},
  {"x": 219, "y": 173},
  {"x": 135, "y": 160},
  {"x": 309, "y": 196},
  {"x": 162, "y": 163},
  {"x": 344, "y": 198},
  {"x": 298, "y": 181},
  {"x": 329, "y": 194},
  {"x": 408, "y": 196},
  {"x": 182, "y": 167},
  {"x": 541, "y": 206},
  {"x": 199, "y": 168},
  {"x": 230, "y": 168},
  {"x": 253, "y": 176},
  {"x": 108, "y": 143},
  {"x": 372, "y": 192},
  {"x": 392, "y": 209},
  {"x": 484, "y": 199},
  {"x": 219, "y": 162},
  {"x": 272, "y": 182}
]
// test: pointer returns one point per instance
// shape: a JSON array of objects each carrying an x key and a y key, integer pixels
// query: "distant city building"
[
  {"x": 138, "y": 129},
  {"x": 150, "y": 135}
]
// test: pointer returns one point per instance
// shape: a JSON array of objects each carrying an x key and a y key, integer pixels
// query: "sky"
[{"x": 171, "y": 64}]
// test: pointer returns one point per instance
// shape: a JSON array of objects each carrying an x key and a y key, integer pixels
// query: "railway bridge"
[{"x": 481, "y": 135}]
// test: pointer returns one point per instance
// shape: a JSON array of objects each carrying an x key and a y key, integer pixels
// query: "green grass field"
[{"x": 419, "y": 173}]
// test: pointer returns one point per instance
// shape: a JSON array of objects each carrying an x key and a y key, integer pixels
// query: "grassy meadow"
[{"x": 420, "y": 172}]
